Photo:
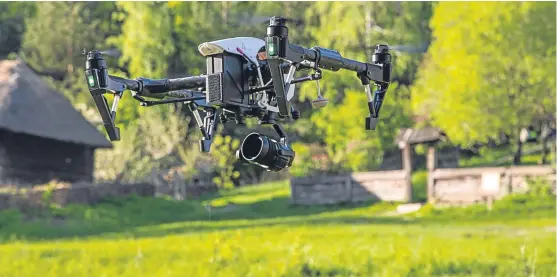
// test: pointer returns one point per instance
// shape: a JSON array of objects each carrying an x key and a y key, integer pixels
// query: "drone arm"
[
  {"x": 158, "y": 87},
  {"x": 100, "y": 82},
  {"x": 332, "y": 60},
  {"x": 379, "y": 71}
]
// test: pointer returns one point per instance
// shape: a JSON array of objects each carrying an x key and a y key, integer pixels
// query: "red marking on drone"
[{"x": 262, "y": 56}]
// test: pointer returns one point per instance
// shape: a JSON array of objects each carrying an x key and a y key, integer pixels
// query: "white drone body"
[{"x": 248, "y": 46}]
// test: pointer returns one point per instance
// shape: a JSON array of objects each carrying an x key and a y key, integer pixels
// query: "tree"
[
  {"x": 490, "y": 70},
  {"x": 12, "y": 25},
  {"x": 71, "y": 27},
  {"x": 339, "y": 127},
  {"x": 56, "y": 35}
]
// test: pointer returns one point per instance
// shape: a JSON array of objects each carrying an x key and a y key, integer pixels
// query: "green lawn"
[
  {"x": 503, "y": 156},
  {"x": 260, "y": 234}
]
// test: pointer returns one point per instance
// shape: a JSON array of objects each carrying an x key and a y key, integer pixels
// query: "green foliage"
[
  {"x": 146, "y": 39},
  {"x": 501, "y": 156},
  {"x": 539, "y": 187},
  {"x": 149, "y": 145},
  {"x": 306, "y": 163},
  {"x": 340, "y": 124},
  {"x": 12, "y": 25},
  {"x": 55, "y": 35},
  {"x": 534, "y": 206},
  {"x": 488, "y": 63},
  {"x": 419, "y": 186},
  {"x": 223, "y": 152},
  {"x": 11, "y": 216},
  {"x": 69, "y": 31}
]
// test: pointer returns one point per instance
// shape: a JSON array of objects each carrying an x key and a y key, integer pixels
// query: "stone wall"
[{"x": 391, "y": 185}]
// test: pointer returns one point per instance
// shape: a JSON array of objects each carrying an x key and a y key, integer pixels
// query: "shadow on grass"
[
  {"x": 140, "y": 217},
  {"x": 205, "y": 226},
  {"x": 452, "y": 268},
  {"x": 148, "y": 217}
]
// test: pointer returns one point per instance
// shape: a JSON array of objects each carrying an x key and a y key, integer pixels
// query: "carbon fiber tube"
[
  {"x": 299, "y": 53},
  {"x": 186, "y": 83},
  {"x": 325, "y": 58},
  {"x": 130, "y": 84}
]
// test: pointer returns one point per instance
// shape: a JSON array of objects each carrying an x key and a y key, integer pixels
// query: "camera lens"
[
  {"x": 266, "y": 152},
  {"x": 254, "y": 148}
]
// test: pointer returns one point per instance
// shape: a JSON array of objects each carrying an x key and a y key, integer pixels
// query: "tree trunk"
[
  {"x": 518, "y": 153},
  {"x": 69, "y": 65},
  {"x": 545, "y": 150},
  {"x": 544, "y": 136}
]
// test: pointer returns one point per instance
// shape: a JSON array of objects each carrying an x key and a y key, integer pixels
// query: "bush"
[
  {"x": 539, "y": 187},
  {"x": 8, "y": 217},
  {"x": 419, "y": 186}
]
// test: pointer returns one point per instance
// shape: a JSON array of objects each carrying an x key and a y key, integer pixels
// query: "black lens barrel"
[{"x": 265, "y": 152}]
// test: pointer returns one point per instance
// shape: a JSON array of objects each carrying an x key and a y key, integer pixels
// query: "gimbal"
[{"x": 246, "y": 77}]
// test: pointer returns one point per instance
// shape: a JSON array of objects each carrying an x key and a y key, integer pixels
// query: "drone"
[{"x": 246, "y": 78}]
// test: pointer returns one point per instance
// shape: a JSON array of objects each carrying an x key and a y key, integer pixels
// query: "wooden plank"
[
  {"x": 461, "y": 197},
  {"x": 379, "y": 175},
  {"x": 442, "y": 173},
  {"x": 531, "y": 170},
  {"x": 380, "y": 189},
  {"x": 319, "y": 194},
  {"x": 310, "y": 180}
]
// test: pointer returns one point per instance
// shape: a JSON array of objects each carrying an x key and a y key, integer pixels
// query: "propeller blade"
[
  {"x": 248, "y": 19},
  {"x": 114, "y": 52},
  {"x": 410, "y": 48}
]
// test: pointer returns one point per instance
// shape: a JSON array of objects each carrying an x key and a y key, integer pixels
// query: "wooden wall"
[
  {"x": 474, "y": 185},
  {"x": 31, "y": 160},
  {"x": 174, "y": 185},
  {"x": 391, "y": 185}
]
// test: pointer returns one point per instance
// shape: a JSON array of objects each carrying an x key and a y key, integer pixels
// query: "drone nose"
[{"x": 207, "y": 49}]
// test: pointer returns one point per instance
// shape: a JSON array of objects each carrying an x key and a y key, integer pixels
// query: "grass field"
[{"x": 261, "y": 235}]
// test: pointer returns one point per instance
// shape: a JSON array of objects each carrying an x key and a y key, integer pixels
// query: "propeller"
[
  {"x": 406, "y": 48},
  {"x": 410, "y": 48},
  {"x": 114, "y": 52},
  {"x": 248, "y": 19}
]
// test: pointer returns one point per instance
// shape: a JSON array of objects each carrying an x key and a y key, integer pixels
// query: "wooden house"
[{"x": 42, "y": 136}]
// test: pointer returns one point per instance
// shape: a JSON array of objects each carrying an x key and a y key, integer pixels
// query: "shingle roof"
[
  {"x": 422, "y": 135},
  {"x": 28, "y": 105}
]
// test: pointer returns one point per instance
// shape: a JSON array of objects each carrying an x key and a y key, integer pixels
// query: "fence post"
[
  {"x": 431, "y": 161},
  {"x": 349, "y": 186},
  {"x": 293, "y": 191},
  {"x": 407, "y": 167},
  {"x": 506, "y": 183}
]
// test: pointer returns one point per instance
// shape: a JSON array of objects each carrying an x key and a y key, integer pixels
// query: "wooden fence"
[
  {"x": 40, "y": 197},
  {"x": 446, "y": 186},
  {"x": 479, "y": 185},
  {"x": 393, "y": 185},
  {"x": 174, "y": 185}
]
